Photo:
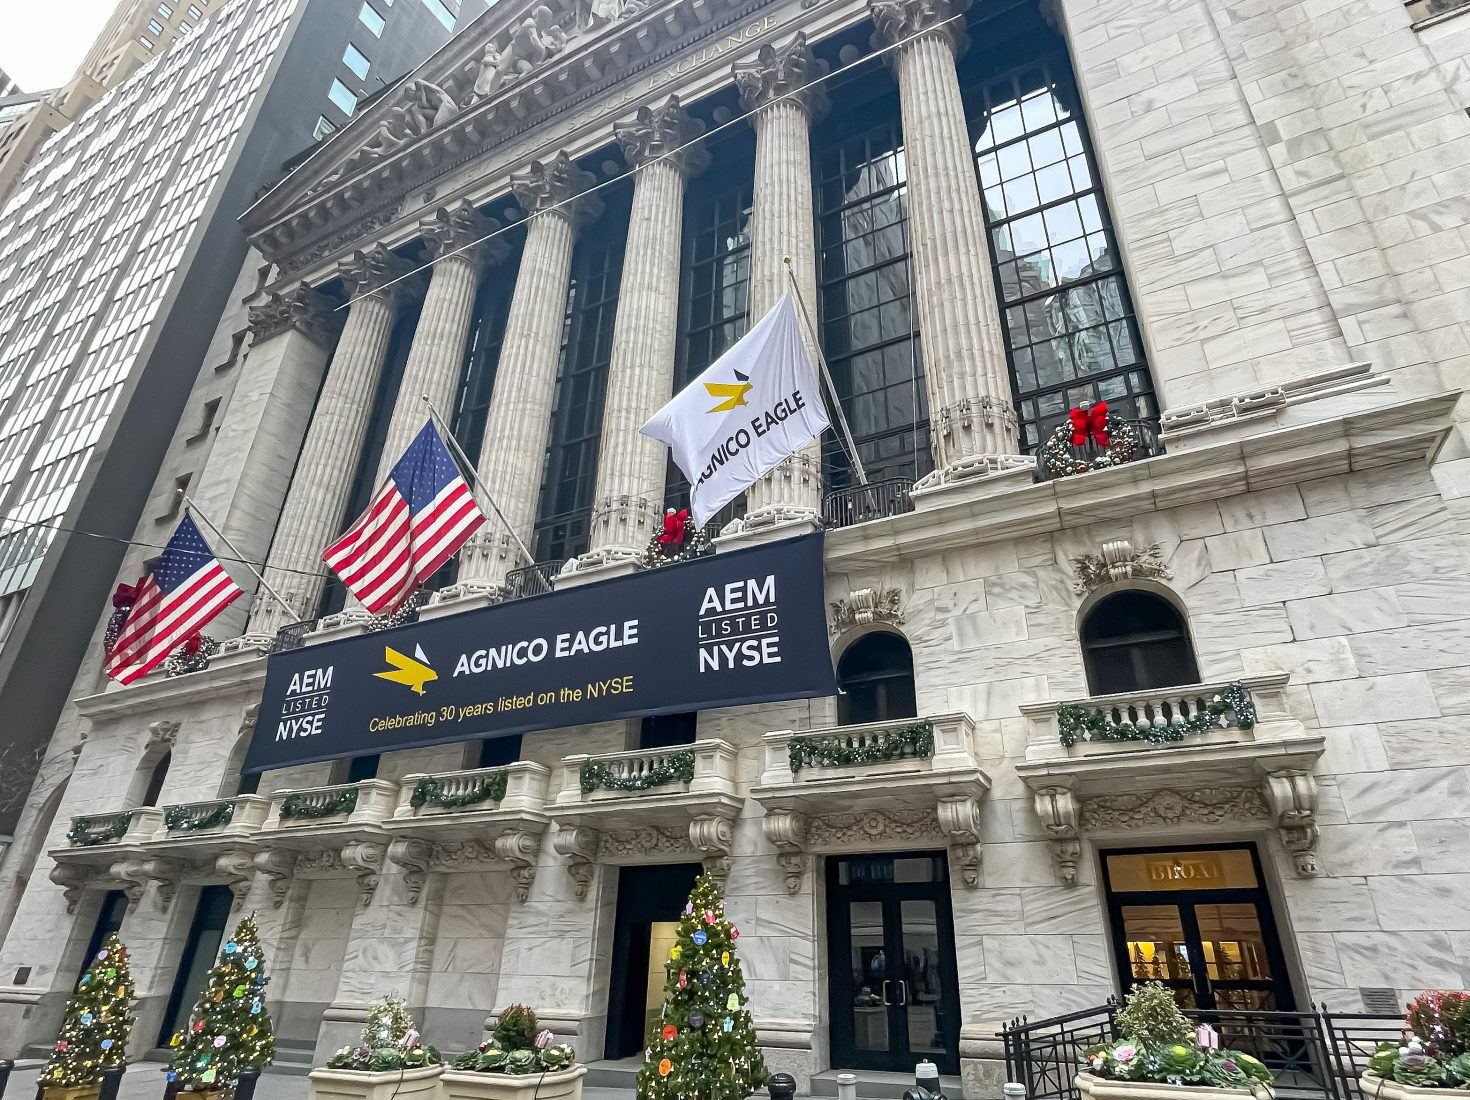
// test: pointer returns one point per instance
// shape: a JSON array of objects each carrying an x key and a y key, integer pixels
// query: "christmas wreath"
[
  {"x": 678, "y": 540},
  {"x": 1091, "y": 439}
]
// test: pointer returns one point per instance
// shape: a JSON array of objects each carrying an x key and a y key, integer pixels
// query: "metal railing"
[
  {"x": 293, "y": 635},
  {"x": 1316, "y": 1055},
  {"x": 861, "y": 503},
  {"x": 532, "y": 580}
]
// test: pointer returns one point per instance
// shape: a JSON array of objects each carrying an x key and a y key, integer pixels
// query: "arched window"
[
  {"x": 156, "y": 779},
  {"x": 876, "y": 678},
  {"x": 1135, "y": 640}
]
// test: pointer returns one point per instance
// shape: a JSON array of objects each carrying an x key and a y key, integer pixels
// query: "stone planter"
[
  {"x": 466, "y": 1085},
  {"x": 1378, "y": 1088},
  {"x": 71, "y": 1092},
  {"x": 398, "y": 1084},
  {"x": 1100, "y": 1088}
]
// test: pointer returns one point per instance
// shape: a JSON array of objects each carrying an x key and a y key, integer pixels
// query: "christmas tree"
[
  {"x": 703, "y": 1045},
  {"x": 98, "y": 1020},
  {"x": 229, "y": 1030}
]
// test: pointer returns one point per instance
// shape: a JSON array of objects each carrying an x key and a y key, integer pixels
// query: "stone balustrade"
[
  {"x": 904, "y": 745},
  {"x": 239, "y": 816},
  {"x": 511, "y": 789},
  {"x": 367, "y": 803},
  {"x": 705, "y": 767},
  {"x": 116, "y": 828}
]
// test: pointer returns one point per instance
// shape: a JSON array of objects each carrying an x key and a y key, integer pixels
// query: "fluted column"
[
  {"x": 519, "y": 420},
  {"x": 972, "y": 418},
  {"x": 323, "y": 479},
  {"x": 436, "y": 357},
  {"x": 640, "y": 379},
  {"x": 783, "y": 226}
]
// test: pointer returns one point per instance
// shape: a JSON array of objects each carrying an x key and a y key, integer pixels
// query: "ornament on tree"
[
  {"x": 96, "y": 1024},
  {"x": 677, "y": 540},
  {"x": 224, "y": 1037},
  {"x": 684, "y": 1060},
  {"x": 1092, "y": 438}
]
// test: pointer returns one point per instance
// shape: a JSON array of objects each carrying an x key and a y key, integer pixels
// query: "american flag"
[
  {"x": 184, "y": 590},
  {"x": 423, "y": 513}
]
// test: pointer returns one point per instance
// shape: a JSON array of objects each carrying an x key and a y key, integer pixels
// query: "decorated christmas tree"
[
  {"x": 98, "y": 1020},
  {"x": 229, "y": 1030},
  {"x": 703, "y": 1046}
]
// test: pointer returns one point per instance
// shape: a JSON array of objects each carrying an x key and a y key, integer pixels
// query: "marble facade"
[{"x": 1286, "y": 194}]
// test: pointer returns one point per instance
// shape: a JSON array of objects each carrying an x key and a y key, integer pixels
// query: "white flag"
[{"x": 733, "y": 424}]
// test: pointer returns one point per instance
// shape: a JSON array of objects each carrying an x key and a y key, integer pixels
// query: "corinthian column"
[
  {"x": 640, "y": 377},
  {"x": 782, "y": 227},
  {"x": 972, "y": 418},
  {"x": 519, "y": 421},
  {"x": 323, "y": 479},
  {"x": 436, "y": 358}
]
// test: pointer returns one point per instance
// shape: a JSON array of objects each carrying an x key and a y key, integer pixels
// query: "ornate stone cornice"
[
  {"x": 896, "y": 20},
  {"x": 299, "y": 308},
  {"x": 544, "y": 185},
  {"x": 775, "y": 72},
  {"x": 656, "y": 132},
  {"x": 460, "y": 228}
]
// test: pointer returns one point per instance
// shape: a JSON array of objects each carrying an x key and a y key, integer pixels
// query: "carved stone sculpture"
[
  {"x": 867, "y": 606},
  {"x": 1119, "y": 561}
]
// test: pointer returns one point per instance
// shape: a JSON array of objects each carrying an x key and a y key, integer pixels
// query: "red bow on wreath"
[
  {"x": 674, "y": 525},
  {"x": 124, "y": 596},
  {"x": 193, "y": 644},
  {"x": 1090, "y": 423}
]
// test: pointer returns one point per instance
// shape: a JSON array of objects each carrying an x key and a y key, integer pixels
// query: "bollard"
[
  {"x": 782, "y": 1087},
  {"x": 847, "y": 1086},
  {"x": 926, "y": 1083},
  {"x": 1013, "y": 1091},
  {"x": 5, "y": 1067},
  {"x": 111, "y": 1082},
  {"x": 245, "y": 1086}
]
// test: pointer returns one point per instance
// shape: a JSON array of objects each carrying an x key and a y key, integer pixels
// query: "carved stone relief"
[
  {"x": 1119, "y": 561},
  {"x": 867, "y": 606}
]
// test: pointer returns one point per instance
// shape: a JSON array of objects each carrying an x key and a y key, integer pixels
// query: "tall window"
[
  {"x": 869, "y": 334},
  {"x": 156, "y": 778},
  {"x": 562, "y": 527},
  {"x": 1133, "y": 641},
  {"x": 482, "y": 357},
  {"x": 875, "y": 678},
  {"x": 1069, "y": 318}
]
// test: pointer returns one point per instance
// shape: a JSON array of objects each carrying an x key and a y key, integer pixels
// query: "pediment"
[{"x": 514, "y": 67}]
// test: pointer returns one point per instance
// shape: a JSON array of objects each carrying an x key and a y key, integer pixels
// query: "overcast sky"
[{"x": 43, "y": 41}]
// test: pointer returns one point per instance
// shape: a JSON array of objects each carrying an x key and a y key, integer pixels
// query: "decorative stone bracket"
[
  {"x": 518, "y": 847},
  {"x": 710, "y": 835},
  {"x": 1292, "y": 796},
  {"x": 365, "y": 857},
  {"x": 136, "y": 875},
  {"x": 72, "y": 878},
  {"x": 1058, "y": 812},
  {"x": 237, "y": 868}
]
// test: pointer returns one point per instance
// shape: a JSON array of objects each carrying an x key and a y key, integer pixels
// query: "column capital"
[
  {"x": 542, "y": 185},
  {"x": 780, "y": 71},
  {"x": 455, "y": 227},
  {"x": 301, "y": 308},
  {"x": 370, "y": 271},
  {"x": 896, "y": 20},
  {"x": 657, "y": 131}
]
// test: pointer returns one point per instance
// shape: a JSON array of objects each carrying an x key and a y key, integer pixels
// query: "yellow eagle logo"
[
  {"x": 411, "y": 673},
  {"x": 730, "y": 394}
]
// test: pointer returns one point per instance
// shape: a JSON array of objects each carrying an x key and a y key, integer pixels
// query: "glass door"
[{"x": 894, "y": 989}]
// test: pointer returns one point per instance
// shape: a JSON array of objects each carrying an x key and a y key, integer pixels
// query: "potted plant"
[
  {"x": 1162, "y": 1056},
  {"x": 391, "y": 1062},
  {"x": 1434, "y": 1058},
  {"x": 94, "y": 1030},
  {"x": 518, "y": 1063}
]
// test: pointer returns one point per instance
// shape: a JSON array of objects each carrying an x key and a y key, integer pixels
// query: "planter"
[
  {"x": 71, "y": 1092},
  {"x": 1101, "y": 1088},
  {"x": 202, "y": 1094},
  {"x": 1379, "y": 1088},
  {"x": 563, "y": 1085},
  {"x": 398, "y": 1084}
]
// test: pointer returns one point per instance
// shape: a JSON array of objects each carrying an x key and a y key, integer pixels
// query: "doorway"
[
  {"x": 650, "y": 902},
  {"x": 894, "y": 985},
  {"x": 206, "y": 932},
  {"x": 109, "y": 922},
  {"x": 1198, "y": 921}
]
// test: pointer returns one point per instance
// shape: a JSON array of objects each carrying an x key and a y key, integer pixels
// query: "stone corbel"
[
  {"x": 237, "y": 868},
  {"x": 579, "y": 845},
  {"x": 1057, "y": 808},
  {"x": 72, "y": 878},
  {"x": 278, "y": 865},
  {"x": 521, "y": 850},
  {"x": 787, "y": 830},
  {"x": 713, "y": 836},
  {"x": 867, "y": 606},
  {"x": 136, "y": 875},
  {"x": 1292, "y": 796},
  {"x": 366, "y": 858},
  {"x": 162, "y": 733},
  {"x": 959, "y": 820},
  {"x": 414, "y": 856}
]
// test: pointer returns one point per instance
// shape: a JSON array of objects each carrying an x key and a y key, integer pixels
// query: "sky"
[{"x": 40, "y": 50}]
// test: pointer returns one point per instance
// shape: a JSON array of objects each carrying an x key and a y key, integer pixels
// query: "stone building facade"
[{"x": 1195, "y": 716}]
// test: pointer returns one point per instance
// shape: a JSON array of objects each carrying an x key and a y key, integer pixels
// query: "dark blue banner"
[{"x": 748, "y": 626}]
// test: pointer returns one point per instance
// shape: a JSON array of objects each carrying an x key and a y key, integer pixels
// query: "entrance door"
[
  {"x": 895, "y": 992},
  {"x": 1198, "y": 921},
  {"x": 206, "y": 932},
  {"x": 650, "y": 902}
]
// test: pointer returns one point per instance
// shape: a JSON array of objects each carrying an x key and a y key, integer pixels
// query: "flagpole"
[
  {"x": 224, "y": 538},
  {"x": 857, "y": 463},
  {"x": 469, "y": 468}
]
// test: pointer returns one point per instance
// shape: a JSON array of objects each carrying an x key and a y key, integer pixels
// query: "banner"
[{"x": 743, "y": 627}]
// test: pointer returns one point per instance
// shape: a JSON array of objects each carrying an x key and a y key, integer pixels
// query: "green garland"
[
  {"x": 178, "y": 820},
  {"x": 1082, "y": 723},
  {"x": 678, "y": 767},
  {"x": 302, "y": 805},
  {"x": 81, "y": 835},
  {"x": 490, "y": 789},
  {"x": 833, "y": 751}
]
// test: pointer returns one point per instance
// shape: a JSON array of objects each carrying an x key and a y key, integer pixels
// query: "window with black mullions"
[
  {"x": 1133, "y": 641},
  {"x": 875, "y": 679},
  {"x": 1071, "y": 333},
  {"x": 869, "y": 333},
  {"x": 482, "y": 357}
]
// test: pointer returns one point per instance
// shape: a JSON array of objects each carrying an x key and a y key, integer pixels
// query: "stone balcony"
[
  {"x": 1200, "y": 754},
  {"x": 324, "y": 832},
  {"x": 647, "y": 806},
  {"x": 108, "y": 851},
  {"x": 486, "y": 818},
  {"x": 880, "y": 785},
  {"x": 209, "y": 842}
]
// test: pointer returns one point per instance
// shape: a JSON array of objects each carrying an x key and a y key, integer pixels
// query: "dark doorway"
[
  {"x": 498, "y": 752},
  {"x": 666, "y": 731},
  {"x": 109, "y": 920},
  {"x": 206, "y": 933},
  {"x": 650, "y": 900},
  {"x": 895, "y": 988},
  {"x": 875, "y": 680}
]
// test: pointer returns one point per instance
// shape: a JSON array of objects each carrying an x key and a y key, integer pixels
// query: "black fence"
[
  {"x": 532, "y": 580},
  {"x": 1316, "y": 1055},
  {"x": 293, "y": 636},
  {"x": 861, "y": 503}
]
